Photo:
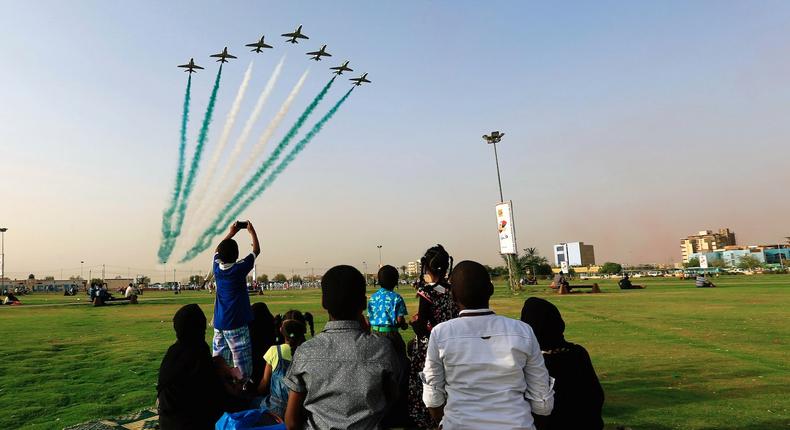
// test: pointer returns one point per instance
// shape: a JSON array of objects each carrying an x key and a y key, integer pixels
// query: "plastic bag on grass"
[{"x": 254, "y": 419}]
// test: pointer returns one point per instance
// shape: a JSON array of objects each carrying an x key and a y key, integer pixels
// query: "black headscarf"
[
  {"x": 189, "y": 390},
  {"x": 546, "y": 322},
  {"x": 262, "y": 332}
]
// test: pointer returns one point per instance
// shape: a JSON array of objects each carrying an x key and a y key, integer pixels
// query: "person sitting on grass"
[
  {"x": 625, "y": 284},
  {"x": 189, "y": 390},
  {"x": 702, "y": 282},
  {"x": 278, "y": 360},
  {"x": 232, "y": 311},
  {"x": 344, "y": 377},
  {"x": 11, "y": 299},
  {"x": 483, "y": 371},
  {"x": 578, "y": 396}
]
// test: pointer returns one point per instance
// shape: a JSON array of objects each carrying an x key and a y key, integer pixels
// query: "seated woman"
[
  {"x": 189, "y": 390},
  {"x": 278, "y": 360},
  {"x": 262, "y": 337},
  {"x": 578, "y": 396},
  {"x": 702, "y": 282}
]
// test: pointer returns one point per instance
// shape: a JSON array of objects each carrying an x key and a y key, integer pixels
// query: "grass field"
[{"x": 669, "y": 357}]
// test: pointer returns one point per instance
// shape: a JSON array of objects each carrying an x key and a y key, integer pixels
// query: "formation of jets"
[{"x": 294, "y": 37}]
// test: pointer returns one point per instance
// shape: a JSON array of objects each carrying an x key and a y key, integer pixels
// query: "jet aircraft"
[
  {"x": 320, "y": 53},
  {"x": 295, "y": 35},
  {"x": 223, "y": 56},
  {"x": 258, "y": 46},
  {"x": 341, "y": 68},
  {"x": 360, "y": 80},
  {"x": 191, "y": 66}
]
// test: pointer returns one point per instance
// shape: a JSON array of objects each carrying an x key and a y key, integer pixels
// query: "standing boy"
[
  {"x": 232, "y": 311},
  {"x": 484, "y": 370},
  {"x": 344, "y": 378}
]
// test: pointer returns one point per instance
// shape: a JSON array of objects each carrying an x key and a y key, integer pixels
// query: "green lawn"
[{"x": 669, "y": 357}]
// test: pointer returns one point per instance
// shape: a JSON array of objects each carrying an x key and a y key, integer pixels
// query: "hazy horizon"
[{"x": 628, "y": 126}]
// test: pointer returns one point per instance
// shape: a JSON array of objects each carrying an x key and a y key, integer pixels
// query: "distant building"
[
  {"x": 731, "y": 255},
  {"x": 413, "y": 268},
  {"x": 44, "y": 285},
  {"x": 706, "y": 241},
  {"x": 575, "y": 253}
]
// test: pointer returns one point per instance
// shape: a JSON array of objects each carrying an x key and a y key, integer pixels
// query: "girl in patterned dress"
[{"x": 435, "y": 306}]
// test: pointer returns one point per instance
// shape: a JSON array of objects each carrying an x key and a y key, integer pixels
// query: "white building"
[
  {"x": 575, "y": 253},
  {"x": 413, "y": 268}
]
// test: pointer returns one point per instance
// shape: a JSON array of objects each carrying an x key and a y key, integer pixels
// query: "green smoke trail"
[
  {"x": 205, "y": 240},
  {"x": 167, "y": 216},
  {"x": 218, "y": 220},
  {"x": 166, "y": 248}
]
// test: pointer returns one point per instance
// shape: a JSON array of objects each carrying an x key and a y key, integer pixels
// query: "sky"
[{"x": 629, "y": 125}]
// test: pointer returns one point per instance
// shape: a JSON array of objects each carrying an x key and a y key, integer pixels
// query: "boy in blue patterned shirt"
[{"x": 387, "y": 313}]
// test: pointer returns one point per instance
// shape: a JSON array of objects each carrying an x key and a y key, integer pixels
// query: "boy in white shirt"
[{"x": 484, "y": 370}]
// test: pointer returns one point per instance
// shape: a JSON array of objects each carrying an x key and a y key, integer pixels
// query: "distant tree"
[
  {"x": 75, "y": 278},
  {"x": 610, "y": 268},
  {"x": 693, "y": 262},
  {"x": 296, "y": 278},
  {"x": 496, "y": 272},
  {"x": 196, "y": 280},
  {"x": 97, "y": 281},
  {"x": 543, "y": 270},
  {"x": 531, "y": 260},
  {"x": 142, "y": 279},
  {"x": 403, "y": 269},
  {"x": 264, "y": 278},
  {"x": 748, "y": 262},
  {"x": 31, "y": 276},
  {"x": 280, "y": 278},
  {"x": 49, "y": 278}
]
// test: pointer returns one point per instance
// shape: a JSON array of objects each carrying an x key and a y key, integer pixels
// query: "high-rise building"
[
  {"x": 413, "y": 268},
  {"x": 706, "y": 241},
  {"x": 575, "y": 253}
]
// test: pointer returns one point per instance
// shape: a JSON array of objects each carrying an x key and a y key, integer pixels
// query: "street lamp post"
[
  {"x": 365, "y": 268},
  {"x": 492, "y": 139},
  {"x": 379, "y": 247},
  {"x": 2, "y": 257},
  {"x": 81, "y": 263}
]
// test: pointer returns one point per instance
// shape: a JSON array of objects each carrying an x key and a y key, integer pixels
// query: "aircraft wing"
[
  {"x": 216, "y": 55},
  {"x": 229, "y": 56},
  {"x": 196, "y": 67},
  {"x": 252, "y": 45}
]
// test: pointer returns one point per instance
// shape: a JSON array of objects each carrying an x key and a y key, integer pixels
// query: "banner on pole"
[
  {"x": 507, "y": 233},
  {"x": 564, "y": 268},
  {"x": 703, "y": 261}
]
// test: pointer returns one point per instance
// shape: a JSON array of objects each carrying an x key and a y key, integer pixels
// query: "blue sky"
[{"x": 629, "y": 125}]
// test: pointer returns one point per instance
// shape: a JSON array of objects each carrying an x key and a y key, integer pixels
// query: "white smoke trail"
[
  {"x": 257, "y": 150},
  {"x": 230, "y": 120},
  {"x": 245, "y": 133}
]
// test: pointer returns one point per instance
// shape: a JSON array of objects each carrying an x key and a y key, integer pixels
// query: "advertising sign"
[
  {"x": 564, "y": 267},
  {"x": 507, "y": 233},
  {"x": 703, "y": 261}
]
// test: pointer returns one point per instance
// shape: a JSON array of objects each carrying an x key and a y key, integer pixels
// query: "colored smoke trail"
[
  {"x": 166, "y": 247},
  {"x": 167, "y": 216},
  {"x": 256, "y": 113},
  {"x": 217, "y": 227},
  {"x": 205, "y": 184},
  {"x": 261, "y": 144},
  {"x": 211, "y": 205}
]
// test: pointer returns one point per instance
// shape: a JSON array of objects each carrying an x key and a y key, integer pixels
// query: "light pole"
[
  {"x": 492, "y": 139},
  {"x": 365, "y": 268},
  {"x": 2, "y": 257},
  {"x": 306, "y": 272},
  {"x": 81, "y": 263},
  {"x": 379, "y": 247},
  {"x": 164, "y": 273}
]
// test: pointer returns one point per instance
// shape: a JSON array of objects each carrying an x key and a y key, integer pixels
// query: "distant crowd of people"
[{"x": 466, "y": 367}]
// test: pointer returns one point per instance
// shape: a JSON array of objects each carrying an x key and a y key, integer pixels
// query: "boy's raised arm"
[{"x": 256, "y": 247}]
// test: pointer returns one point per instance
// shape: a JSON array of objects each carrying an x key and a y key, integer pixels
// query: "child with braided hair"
[
  {"x": 435, "y": 306},
  {"x": 278, "y": 359}
]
